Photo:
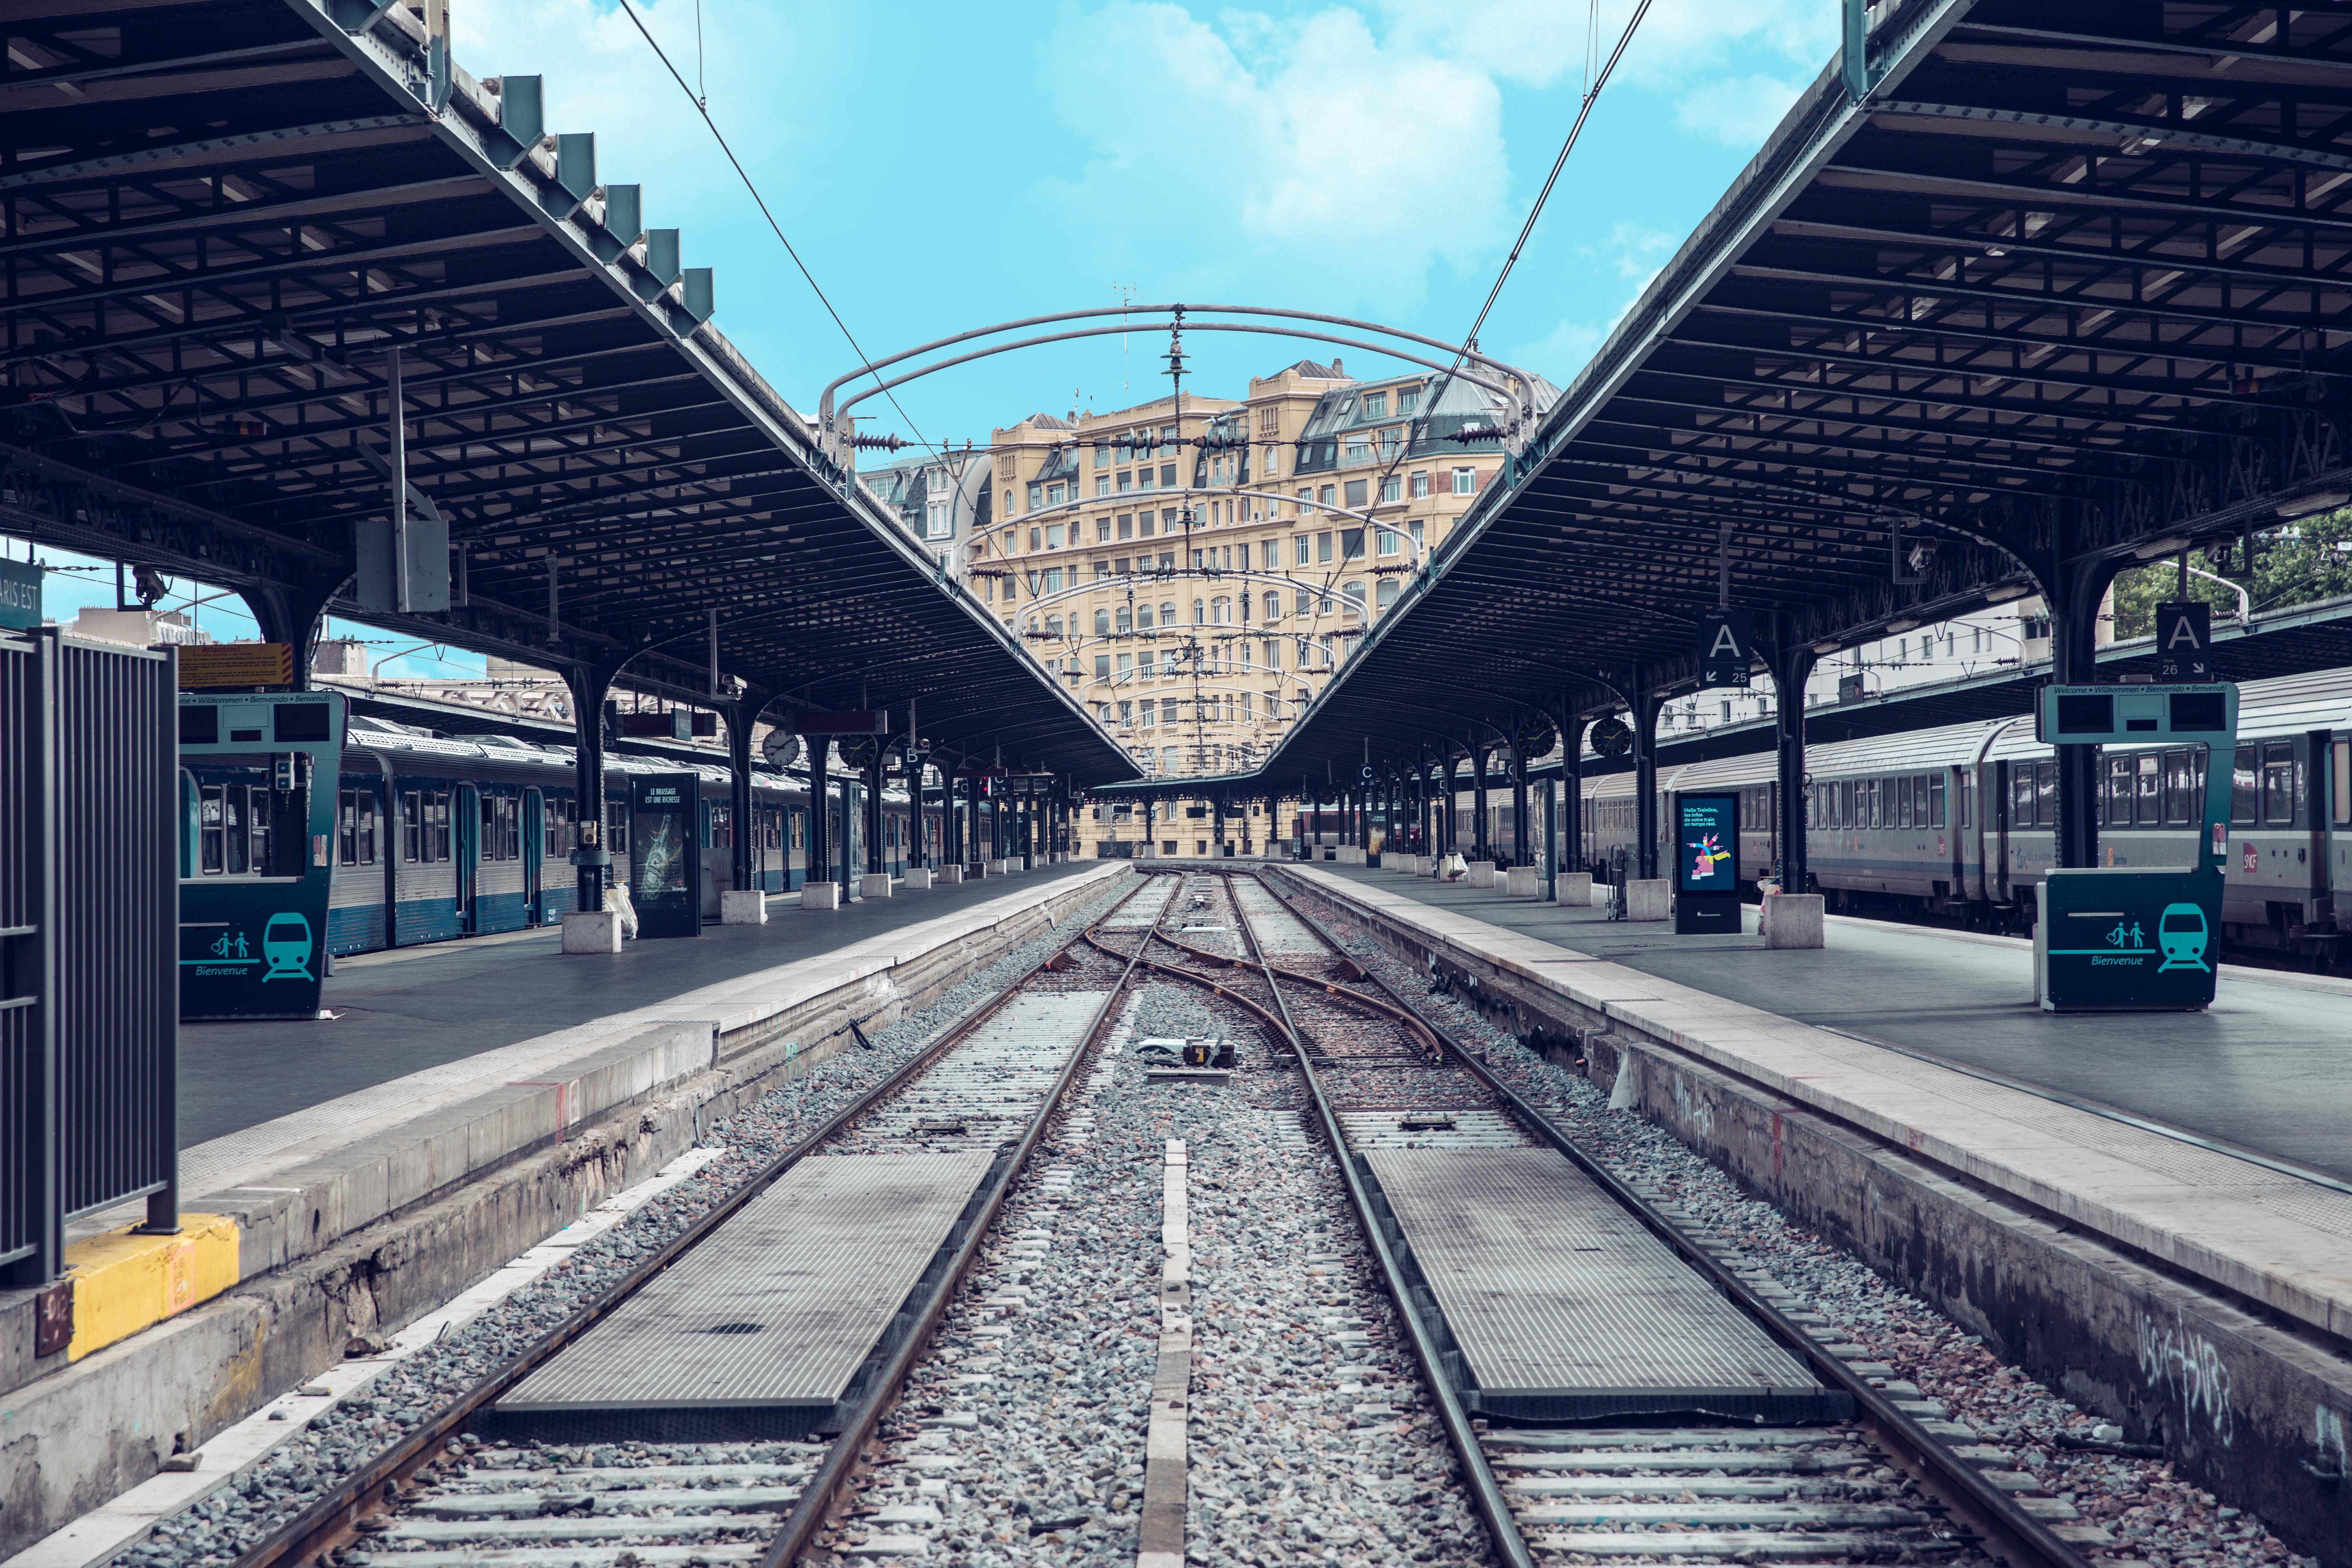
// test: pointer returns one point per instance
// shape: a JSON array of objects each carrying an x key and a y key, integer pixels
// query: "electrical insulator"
[{"x": 877, "y": 443}]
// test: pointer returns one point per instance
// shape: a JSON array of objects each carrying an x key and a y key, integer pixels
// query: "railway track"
[
  {"x": 1381, "y": 1075},
  {"x": 1337, "y": 1060},
  {"x": 636, "y": 1490}
]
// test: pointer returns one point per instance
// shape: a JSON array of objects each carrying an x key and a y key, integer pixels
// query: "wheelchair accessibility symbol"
[{"x": 285, "y": 945}]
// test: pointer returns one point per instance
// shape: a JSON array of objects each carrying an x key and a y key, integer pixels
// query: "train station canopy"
[
  {"x": 2051, "y": 289},
  {"x": 223, "y": 220}
]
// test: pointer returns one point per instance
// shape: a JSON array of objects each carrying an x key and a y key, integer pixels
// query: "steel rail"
[
  {"x": 2015, "y": 1536},
  {"x": 1170, "y": 970},
  {"x": 332, "y": 1521},
  {"x": 811, "y": 1513},
  {"x": 1501, "y": 1527}
]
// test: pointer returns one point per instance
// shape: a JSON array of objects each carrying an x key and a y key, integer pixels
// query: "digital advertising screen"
[{"x": 1706, "y": 843}]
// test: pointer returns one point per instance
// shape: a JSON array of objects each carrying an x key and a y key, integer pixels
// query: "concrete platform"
[
  {"x": 1565, "y": 1307},
  {"x": 758, "y": 1332},
  {"x": 417, "y": 1007}
]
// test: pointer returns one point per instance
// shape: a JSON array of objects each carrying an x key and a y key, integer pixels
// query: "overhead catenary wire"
[
  {"x": 702, "y": 107},
  {"x": 1595, "y": 82}
]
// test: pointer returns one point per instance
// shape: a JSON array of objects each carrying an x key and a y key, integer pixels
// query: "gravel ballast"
[{"x": 2154, "y": 1516}]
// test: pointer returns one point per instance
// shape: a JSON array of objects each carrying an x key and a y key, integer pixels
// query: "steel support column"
[
  {"x": 1518, "y": 805},
  {"x": 1568, "y": 851},
  {"x": 1791, "y": 672},
  {"x": 592, "y": 860},
  {"x": 1481, "y": 849},
  {"x": 740, "y": 716},
  {"x": 2073, "y": 607},
  {"x": 1646, "y": 704},
  {"x": 820, "y": 833}
]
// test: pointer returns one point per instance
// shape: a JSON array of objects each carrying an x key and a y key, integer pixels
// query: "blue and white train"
[{"x": 437, "y": 838}]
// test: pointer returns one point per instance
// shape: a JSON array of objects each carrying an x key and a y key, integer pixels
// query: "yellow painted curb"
[{"x": 123, "y": 1283}]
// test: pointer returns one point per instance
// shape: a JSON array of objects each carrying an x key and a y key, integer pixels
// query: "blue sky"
[{"x": 940, "y": 166}]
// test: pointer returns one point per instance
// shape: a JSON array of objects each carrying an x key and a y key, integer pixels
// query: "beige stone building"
[{"x": 1196, "y": 569}]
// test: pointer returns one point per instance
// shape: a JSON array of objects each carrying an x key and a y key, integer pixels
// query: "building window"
[
  {"x": 1388, "y": 592},
  {"x": 1147, "y": 717},
  {"x": 1142, "y": 617},
  {"x": 1273, "y": 605},
  {"x": 1143, "y": 479},
  {"x": 1269, "y": 420},
  {"x": 1102, "y": 666},
  {"x": 1465, "y": 481},
  {"x": 1036, "y": 497},
  {"x": 1420, "y": 485},
  {"x": 1167, "y": 475},
  {"x": 1355, "y": 593},
  {"x": 1359, "y": 450},
  {"x": 1322, "y": 547},
  {"x": 1305, "y": 499},
  {"x": 1357, "y": 491},
  {"x": 1351, "y": 545},
  {"x": 1036, "y": 538},
  {"x": 937, "y": 523},
  {"x": 1052, "y": 536},
  {"x": 1102, "y": 482},
  {"x": 1388, "y": 443},
  {"x": 1299, "y": 552},
  {"x": 1390, "y": 542},
  {"x": 1328, "y": 495},
  {"x": 1376, "y": 405},
  {"x": 1102, "y": 456},
  {"x": 1055, "y": 495},
  {"x": 1408, "y": 399},
  {"x": 1391, "y": 487},
  {"x": 1200, "y": 612}
]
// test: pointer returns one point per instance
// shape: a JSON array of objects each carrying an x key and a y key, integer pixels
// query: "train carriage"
[
  {"x": 438, "y": 838},
  {"x": 1962, "y": 820}
]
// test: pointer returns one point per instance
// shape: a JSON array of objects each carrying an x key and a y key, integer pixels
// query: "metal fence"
[{"x": 90, "y": 909}]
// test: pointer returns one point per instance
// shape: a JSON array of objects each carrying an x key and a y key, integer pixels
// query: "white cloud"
[
  {"x": 1312, "y": 153},
  {"x": 1633, "y": 253}
]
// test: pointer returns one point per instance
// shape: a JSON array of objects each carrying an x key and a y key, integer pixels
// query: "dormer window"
[{"x": 1376, "y": 405}]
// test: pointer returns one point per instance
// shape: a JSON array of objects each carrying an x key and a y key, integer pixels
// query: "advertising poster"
[{"x": 665, "y": 854}]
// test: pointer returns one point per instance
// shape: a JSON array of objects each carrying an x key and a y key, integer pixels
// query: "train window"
[
  {"x": 2183, "y": 782},
  {"x": 2116, "y": 803},
  {"x": 558, "y": 823},
  {"x": 412, "y": 829},
  {"x": 2244, "y": 787},
  {"x": 2340, "y": 776},
  {"x": 211, "y": 816},
  {"x": 233, "y": 821},
  {"x": 1967, "y": 800},
  {"x": 1899, "y": 812},
  {"x": 1935, "y": 800},
  {"x": 2045, "y": 795},
  {"x": 800, "y": 828},
  {"x": 436, "y": 821},
  {"x": 2147, "y": 791},
  {"x": 2278, "y": 783},
  {"x": 723, "y": 826},
  {"x": 355, "y": 827}
]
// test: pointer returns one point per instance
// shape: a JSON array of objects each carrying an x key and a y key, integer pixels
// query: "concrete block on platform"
[
  {"x": 1000, "y": 868},
  {"x": 746, "y": 908},
  {"x": 1525, "y": 881},
  {"x": 1352, "y": 854},
  {"x": 1648, "y": 900},
  {"x": 873, "y": 885},
  {"x": 949, "y": 875},
  {"x": 918, "y": 878},
  {"x": 821, "y": 896},
  {"x": 1573, "y": 888},
  {"x": 1792, "y": 920},
  {"x": 592, "y": 931},
  {"x": 1481, "y": 874}
]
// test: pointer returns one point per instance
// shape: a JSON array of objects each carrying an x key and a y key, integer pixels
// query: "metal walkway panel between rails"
[
  {"x": 781, "y": 1307},
  {"x": 1563, "y": 1306}
]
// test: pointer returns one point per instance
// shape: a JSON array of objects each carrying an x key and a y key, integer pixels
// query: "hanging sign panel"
[
  {"x": 665, "y": 854},
  {"x": 20, "y": 594},
  {"x": 2184, "y": 641},
  {"x": 1726, "y": 648}
]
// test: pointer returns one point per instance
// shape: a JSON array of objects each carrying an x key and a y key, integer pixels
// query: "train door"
[
  {"x": 466, "y": 851},
  {"x": 1996, "y": 805},
  {"x": 534, "y": 852}
]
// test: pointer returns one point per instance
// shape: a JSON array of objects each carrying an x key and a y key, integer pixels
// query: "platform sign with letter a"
[
  {"x": 1724, "y": 655},
  {"x": 2184, "y": 641}
]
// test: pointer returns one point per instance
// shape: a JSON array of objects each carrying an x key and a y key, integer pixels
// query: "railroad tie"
[{"x": 1160, "y": 1535}]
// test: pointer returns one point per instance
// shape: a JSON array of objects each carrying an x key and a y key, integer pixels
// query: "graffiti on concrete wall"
[{"x": 2188, "y": 1368}]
